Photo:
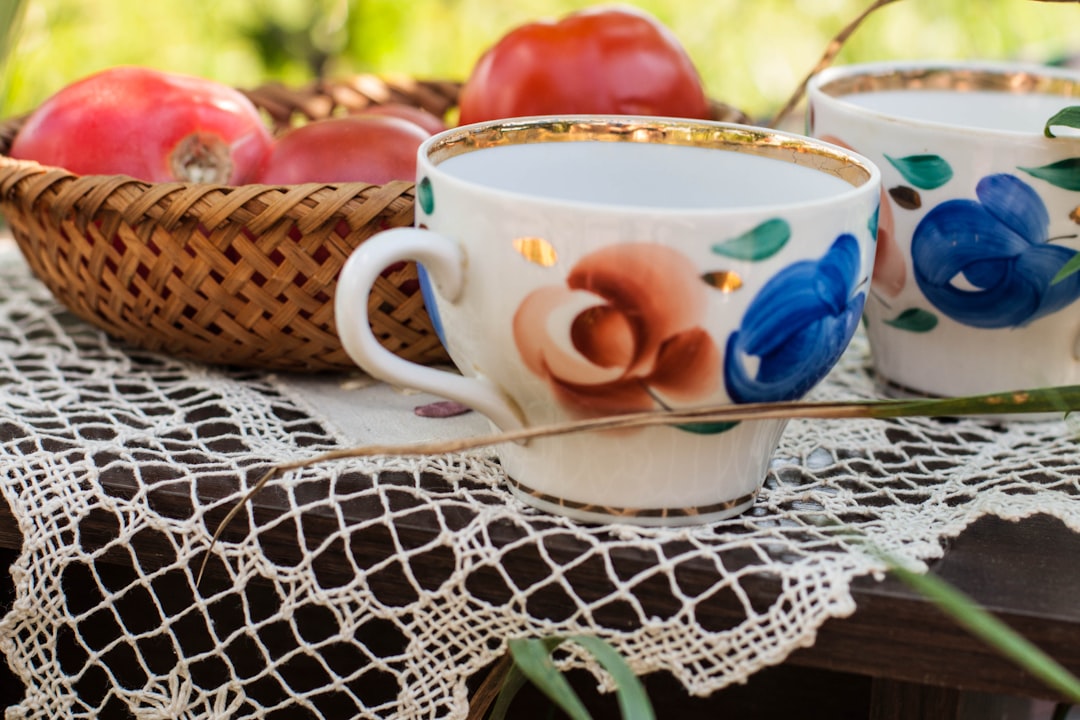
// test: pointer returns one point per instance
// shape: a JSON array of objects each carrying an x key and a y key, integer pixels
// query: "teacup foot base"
[
  {"x": 897, "y": 391},
  {"x": 659, "y": 517}
]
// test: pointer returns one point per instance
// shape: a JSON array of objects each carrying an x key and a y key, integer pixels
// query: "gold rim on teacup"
[
  {"x": 745, "y": 139},
  {"x": 944, "y": 76},
  {"x": 953, "y": 78}
]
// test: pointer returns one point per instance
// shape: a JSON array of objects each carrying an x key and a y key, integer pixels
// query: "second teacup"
[{"x": 976, "y": 286}]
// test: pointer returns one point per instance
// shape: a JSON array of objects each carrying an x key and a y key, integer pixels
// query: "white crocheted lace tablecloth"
[{"x": 368, "y": 618}]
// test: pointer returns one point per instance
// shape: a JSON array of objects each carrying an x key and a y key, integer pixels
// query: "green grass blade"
[
  {"x": 1041, "y": 400},
  {"x": 533, "y": 657},
  {"x": 633, "y": 700},
  {"x": 991, "y": 630},
  {"x": 515, "y": 680}
]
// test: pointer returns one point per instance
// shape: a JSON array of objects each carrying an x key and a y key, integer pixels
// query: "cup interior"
[
  {"x": 647, "y": 163},
  {"x": 999, "y": 98}
]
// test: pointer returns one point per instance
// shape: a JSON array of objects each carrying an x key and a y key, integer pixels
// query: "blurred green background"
[{"x": 751, "y": 53}]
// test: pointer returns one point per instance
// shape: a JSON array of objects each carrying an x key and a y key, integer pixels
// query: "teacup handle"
[{"x": 444, "y": 262}]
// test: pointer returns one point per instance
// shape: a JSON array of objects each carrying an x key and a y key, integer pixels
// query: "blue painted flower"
[
  {"x": 989, "y": 263},
  {"x": 796, "y": 327}
]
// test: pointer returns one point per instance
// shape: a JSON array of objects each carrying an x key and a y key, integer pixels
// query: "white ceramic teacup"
[
  {"x": 588, "y": 266},
  {"x": 972, "y": 290}
]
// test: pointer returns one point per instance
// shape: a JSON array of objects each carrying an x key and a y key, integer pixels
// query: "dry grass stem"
[
  {"x": 488, "y": 691},
  {"x": 1059, "y": 399},
  {"x": 831, "y": 51}
]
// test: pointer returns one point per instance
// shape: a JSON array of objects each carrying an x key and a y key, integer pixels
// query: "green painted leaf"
[
  {"x": 914, "y": 320},
  {"x": 925, "y": 172},
  {"x": 425, "y": 195},
  {"x": 1066, "y": 117},
  {"x": 760, "y": 243},
  {"x": 707, "y": 428},
  {"x": 1070, "y": 268},
  {"x": 1063, "y": 174}
]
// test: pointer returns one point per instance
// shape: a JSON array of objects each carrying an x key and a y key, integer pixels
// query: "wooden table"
[{"x": 897, "y": 657}]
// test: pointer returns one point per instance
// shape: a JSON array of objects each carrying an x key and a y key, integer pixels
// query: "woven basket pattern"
[{"x": 225, "y": 275}]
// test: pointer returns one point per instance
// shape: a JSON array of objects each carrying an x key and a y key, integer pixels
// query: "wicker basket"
[
  {"x": 229, "y": 275},
  {"x": 225, "y": 275}
]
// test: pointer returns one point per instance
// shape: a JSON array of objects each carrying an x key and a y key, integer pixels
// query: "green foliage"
[
  {"x": 751, "y": 54},
  {"x": 1067, "y": 117},
  {"x": 11, "y": 12},
  {"x": 988, "y": 628},
  {"x": 533, "y": 657},
  {"x": 533, "y": 662},
  {"x": 10, "y": 20}
]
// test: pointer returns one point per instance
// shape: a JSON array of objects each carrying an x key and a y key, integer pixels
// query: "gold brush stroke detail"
[
  {"x": 723, "y": 280},
  {"x": 536, "y": 250},
  {"x": 625, "y": 512},
  {"x": 761, "y": 142}
]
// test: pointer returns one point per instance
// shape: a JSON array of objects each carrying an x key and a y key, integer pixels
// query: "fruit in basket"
[
  {"x": 428, "y": 121},
  {"x": 353, "y": 148},
  {"x": 608, "y": 59},
  {"x": 152, "y": 125}
]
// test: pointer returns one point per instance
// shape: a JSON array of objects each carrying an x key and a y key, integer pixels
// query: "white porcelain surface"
[
  {"x": 578, "y": 279},
  {"x": 978, "y": 217}
]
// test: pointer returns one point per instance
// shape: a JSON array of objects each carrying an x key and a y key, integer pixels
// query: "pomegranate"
[
  {"x": 354, "y": 148},
  {"x": 151, "y": 125},
  {"x": 427, "y": 120}
]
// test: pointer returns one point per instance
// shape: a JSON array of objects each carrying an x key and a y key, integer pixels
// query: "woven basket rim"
[
  {"x": 239, "y": 275},
  {"x": 23, "y": 164}
]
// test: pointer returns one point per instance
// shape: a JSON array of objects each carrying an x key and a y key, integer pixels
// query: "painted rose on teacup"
[{"x": 622, "y": 334}]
